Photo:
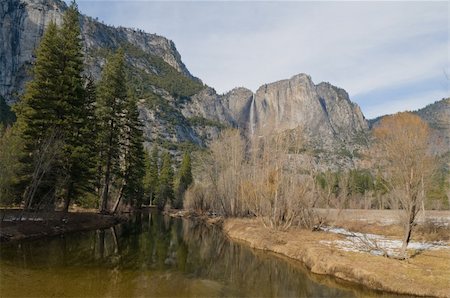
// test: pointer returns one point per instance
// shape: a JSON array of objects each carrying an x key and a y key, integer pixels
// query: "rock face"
[
  {"x": 324, "y": 111},
  {"x": 22, "y": 24}
]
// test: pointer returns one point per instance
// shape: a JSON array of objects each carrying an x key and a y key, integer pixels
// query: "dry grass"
[{"x": 427, "y": 274}]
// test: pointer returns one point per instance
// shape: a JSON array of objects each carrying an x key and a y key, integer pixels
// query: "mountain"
[
  {"x": 437, "y": 115},
  {"x": 177, "y": 109}
]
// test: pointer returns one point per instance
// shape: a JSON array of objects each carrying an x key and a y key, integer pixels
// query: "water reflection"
[{"x": 153, "y": 255}]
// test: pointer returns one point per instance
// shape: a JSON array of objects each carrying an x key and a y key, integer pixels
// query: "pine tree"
[
  {"x": 111, "y": 100},
  {"x": 152, "y": 176},
  {"x": 184, "y": 180},
  {"x": 79, "y": 118},
  {"x": 165, "y": 192},
  {"x": 52, "y": 116},
  {"x": 134, "y": 166},
  {"x": 39, "y": 120}
]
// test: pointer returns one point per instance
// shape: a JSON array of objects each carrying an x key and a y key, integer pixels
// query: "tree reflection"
[{"x": 156, "y": 253}]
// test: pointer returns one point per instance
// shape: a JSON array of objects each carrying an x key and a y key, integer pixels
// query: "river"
[{"x": 153, "y": 255}]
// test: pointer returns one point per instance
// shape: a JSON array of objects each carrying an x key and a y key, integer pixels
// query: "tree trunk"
[
  {"x": 406, "y": 238},
  {"x": 68, "y": 198},
  {"x": 119, "y": 198},
  {"x": 105, "y": 192}
]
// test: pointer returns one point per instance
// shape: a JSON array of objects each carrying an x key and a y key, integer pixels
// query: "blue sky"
[{"x": 389, "y": 56}]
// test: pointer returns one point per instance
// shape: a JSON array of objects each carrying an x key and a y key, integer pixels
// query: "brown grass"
[{"x": 427, "y": 274}]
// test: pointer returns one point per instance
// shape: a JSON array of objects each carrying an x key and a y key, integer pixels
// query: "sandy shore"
[
  {"x": 37, "y": 225},
  {"x": 426, "y": 274}
]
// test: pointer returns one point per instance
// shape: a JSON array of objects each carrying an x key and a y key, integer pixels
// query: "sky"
[{"x": 389, "y": 56}]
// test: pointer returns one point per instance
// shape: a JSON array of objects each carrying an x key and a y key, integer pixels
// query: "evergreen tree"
[
  {"x": 184, "y": 180},
  {"x": 39, "y": 120},
  {"x": 52, "y": 116},
  {"x": 79, "y": 120},
  {"x": 152, "y": 176},
  {"x": 134, "y": 155},
  {"x": 10, "y": 166},
  {"x": 7, "y": 117},
  {"x": 165, "y": 192},
  {"x": 111, "y": 100}
]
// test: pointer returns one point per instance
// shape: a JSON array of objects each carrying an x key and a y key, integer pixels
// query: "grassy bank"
[
  {"x": 36, "y": 225},
  {"x": 426, "y": 274}
]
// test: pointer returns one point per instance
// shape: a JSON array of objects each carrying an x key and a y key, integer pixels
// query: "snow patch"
[
  {"x": 376, "y": 244},
  {"x": 24, "y": 218}
]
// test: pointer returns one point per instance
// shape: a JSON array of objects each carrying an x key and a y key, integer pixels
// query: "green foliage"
[
  {"x": 111, "y": 102},
  {"x": 7, "y": 117},
  {"x": 151, "y": 179},
  {"x": 436, "y": 194},
  {"x": 183, "y": 180},
  {"x": 165, "y": 192},
  {"x": 79, "y": 139},
  {"x": 11, "y": 147},
  {"x": 164, "y": 76},
  {"x": 201, "y": 121},
  {"x": 134, "y": 156},
  {"x": 360, "y": 181},
  {"x": 55, "y": 112}
]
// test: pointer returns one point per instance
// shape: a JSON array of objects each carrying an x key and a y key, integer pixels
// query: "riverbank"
[
  {"x": 43, "y": 224},
  {"x": 426, "y": 274}
]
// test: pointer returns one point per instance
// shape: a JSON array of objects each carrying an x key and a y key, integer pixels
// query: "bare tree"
[
  {"x": 278, "y": 188},
  {"x": 402, "y": 151},
  {"x": 44, "y": 159}
]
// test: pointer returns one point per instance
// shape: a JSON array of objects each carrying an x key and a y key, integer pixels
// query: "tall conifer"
[
  {"x": 111, "y": 100},
  {"x": 79, "y": 119},
  {"x": 183, "y": 180},
  {"x": 165, "y": 192},
  {"x": 152, "y": 176},
  {"x": 134, "y": 155}
]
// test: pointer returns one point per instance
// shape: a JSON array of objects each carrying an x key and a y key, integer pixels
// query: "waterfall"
[{"x": 252, "y": 116}]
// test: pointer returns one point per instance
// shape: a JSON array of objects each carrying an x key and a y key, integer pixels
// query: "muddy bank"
[
  {"x": 426, "y": 274},
  {"x": 36, "y": 225}
]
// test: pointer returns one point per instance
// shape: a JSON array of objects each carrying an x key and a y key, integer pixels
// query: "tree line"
[
  {"x": 75, "y": 139},
  {"x": 269, "y": 177}
]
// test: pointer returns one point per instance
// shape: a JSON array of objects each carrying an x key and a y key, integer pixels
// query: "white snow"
[
  {"x": 376, "y": 244},
  {"x": 24, "y": 218}
]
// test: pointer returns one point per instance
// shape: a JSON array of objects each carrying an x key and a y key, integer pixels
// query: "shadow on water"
[{"x": 153, "y": 255}]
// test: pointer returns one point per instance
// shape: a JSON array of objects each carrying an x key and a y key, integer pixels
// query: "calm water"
[{"x": 154, "y": 255}]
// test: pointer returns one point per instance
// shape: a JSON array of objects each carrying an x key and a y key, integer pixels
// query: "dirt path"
[{"x": 427, "y": 274}]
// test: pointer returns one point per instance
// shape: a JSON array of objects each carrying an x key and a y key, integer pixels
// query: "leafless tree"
[
  {"x": 402, "y": 151},
  {"x": 44, "y": 158}
]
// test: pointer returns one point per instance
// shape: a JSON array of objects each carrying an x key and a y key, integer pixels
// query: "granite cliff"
[{"x": 177, "y": 110}]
